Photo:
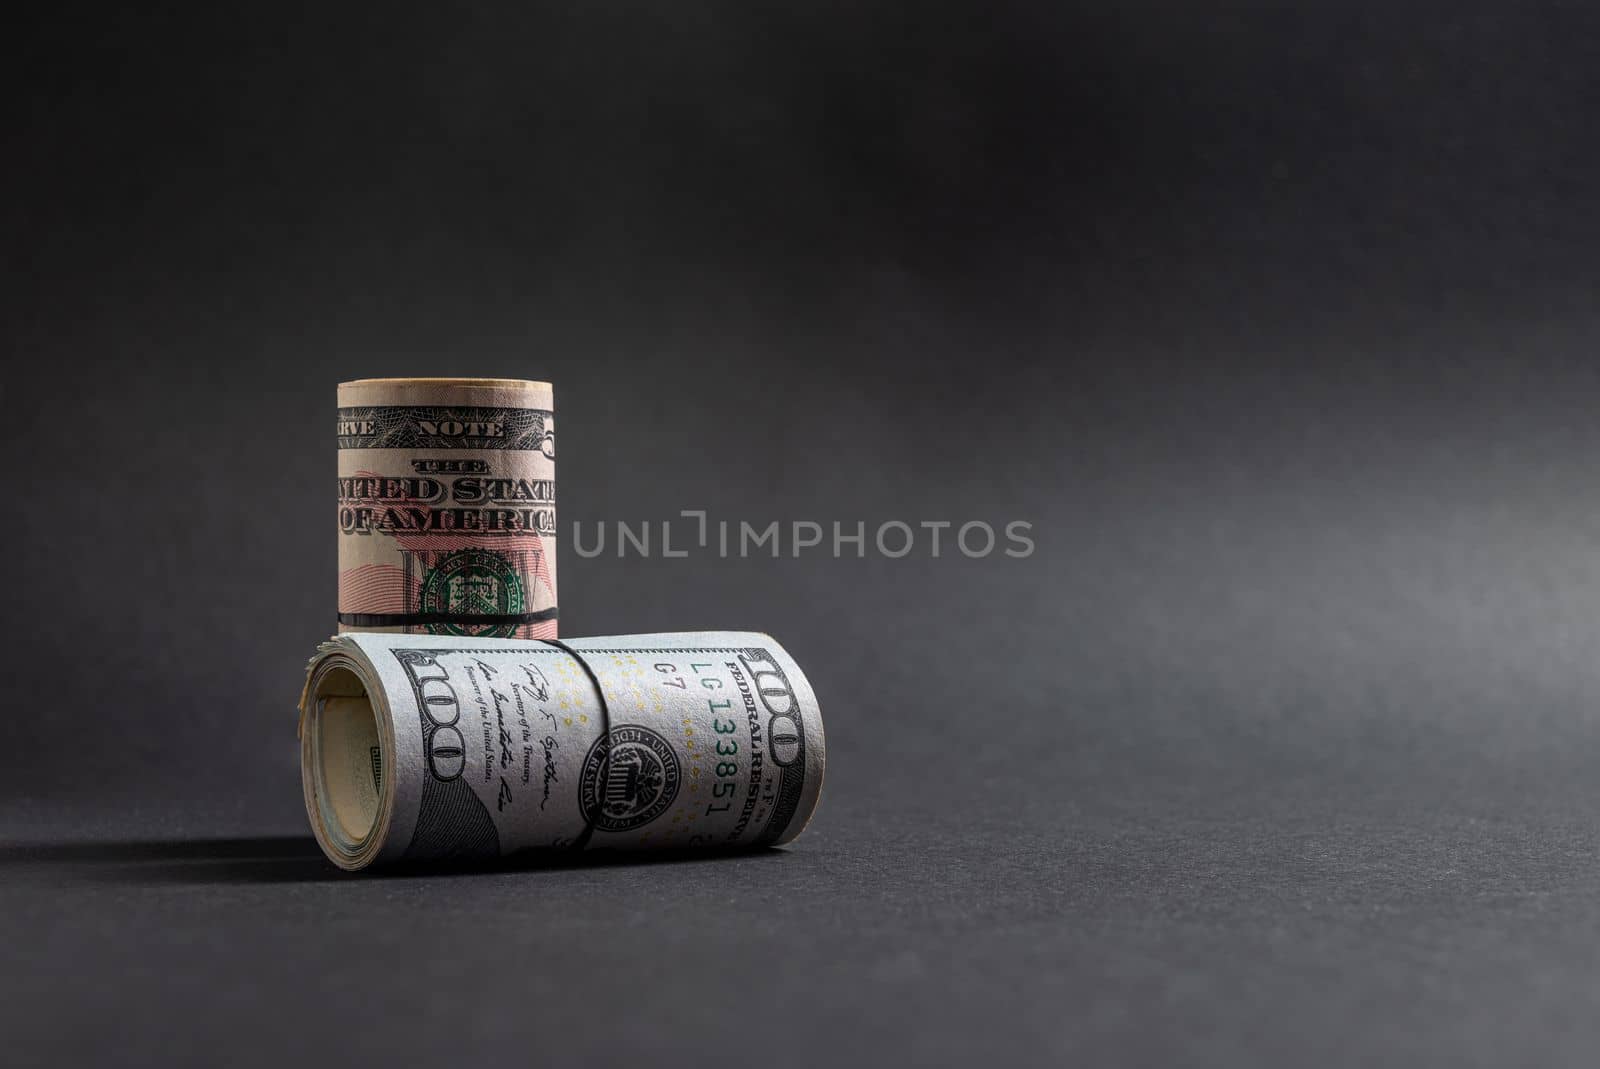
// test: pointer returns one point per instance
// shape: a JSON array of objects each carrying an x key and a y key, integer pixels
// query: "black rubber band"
[
  {"x": 465, "y": 619},
  {"x": 605, "y": 729}
]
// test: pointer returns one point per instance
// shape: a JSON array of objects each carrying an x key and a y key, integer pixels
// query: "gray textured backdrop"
[{"x": 1278, "y": 325}]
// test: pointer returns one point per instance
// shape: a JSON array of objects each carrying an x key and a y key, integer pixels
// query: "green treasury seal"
[{"x": 472, "y": 582}]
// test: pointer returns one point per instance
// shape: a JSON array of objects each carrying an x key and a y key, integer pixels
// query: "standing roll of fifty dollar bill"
[
  {"x": 447, "y": 507},
  {"x": 418, "y": 748}
]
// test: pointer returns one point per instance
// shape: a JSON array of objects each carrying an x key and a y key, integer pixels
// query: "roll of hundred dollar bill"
[
  {"x": 447, "y": 507},
  {"x": 422, "y": 748}
]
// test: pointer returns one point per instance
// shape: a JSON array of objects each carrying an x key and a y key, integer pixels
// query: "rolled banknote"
[
  {"x": 424, "y": 748},
  {"x": 447, "y": 507}
]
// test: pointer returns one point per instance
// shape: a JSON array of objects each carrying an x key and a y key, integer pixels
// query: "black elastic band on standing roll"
[
  {"x": 605, "y": 729},
  {"x": 465, "y": 619}
]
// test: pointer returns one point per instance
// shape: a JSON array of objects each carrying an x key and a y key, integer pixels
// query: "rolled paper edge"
[
  {"x": 444, "y": 382},
  {"x": 351, "y": 657},
  {"x": 513, "y": 393}
]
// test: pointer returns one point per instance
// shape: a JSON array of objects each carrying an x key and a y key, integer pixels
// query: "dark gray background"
[{"x": 1279, "y": 326}]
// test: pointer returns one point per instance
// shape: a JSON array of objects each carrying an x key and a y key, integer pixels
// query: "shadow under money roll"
[
  {"x": 447, "y": 507},
  {"x": 436, "y": 749}
]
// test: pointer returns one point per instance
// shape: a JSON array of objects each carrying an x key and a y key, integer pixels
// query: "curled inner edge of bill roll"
[{"x": 426, "y": 748}]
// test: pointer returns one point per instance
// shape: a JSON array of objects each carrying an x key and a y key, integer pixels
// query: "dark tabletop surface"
[{"x": 1219, "y": 883}]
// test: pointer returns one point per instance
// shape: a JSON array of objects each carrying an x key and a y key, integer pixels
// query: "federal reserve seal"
[
  {"x": 472, "y": 582},
  {"x": 630, "y": 777}
]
